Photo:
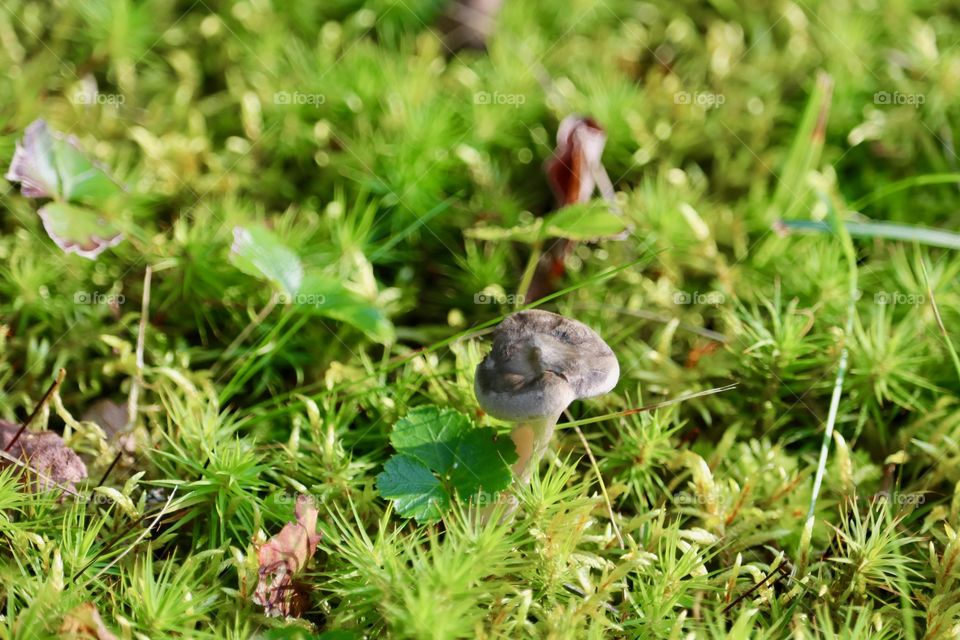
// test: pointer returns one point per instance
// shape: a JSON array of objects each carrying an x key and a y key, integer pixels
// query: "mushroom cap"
[{"x": 540, "y": 363}]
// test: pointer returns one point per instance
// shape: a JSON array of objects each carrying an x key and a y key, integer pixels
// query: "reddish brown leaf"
[
  {"x": 575, "y": 171},
  {"x": 84, "y": 623},
  {"x": 283, "y": 556},
  {"x": 46, "y": 453},
  {"x": 572, "y": 170}
]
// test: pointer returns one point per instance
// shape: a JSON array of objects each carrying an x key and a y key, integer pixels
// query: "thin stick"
[
  {"x": 43, "y": 402},
  {"x": 883, "y": 230},
  {"x": 780, "y": 571},
  {"x": 257, "y": 321},
  {"x": 139, "y": 539},
  {"x": 134, "y": 399},
  {"x": 840, "y": 229},
  {"x": 106, "y": 473},
  {"x": 943, "y": 328},
  {"x": 535, "y": 252},
  {"x": 649, "y": 407},
  {"x": 603, "y": 486},
  {"x": 109, "y": 545}
]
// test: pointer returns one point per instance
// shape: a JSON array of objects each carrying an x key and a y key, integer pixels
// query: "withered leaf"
[
  {"x": 574, "y": 172},
  {"x": 46, "y": 453},
  {"x": 283, "y": 556},
  {"x": 32, "y": 164},
  {"x": 573, "y": 169},
  {"x": 84, "y": 623},
  {"x": 50, "y": 164}
]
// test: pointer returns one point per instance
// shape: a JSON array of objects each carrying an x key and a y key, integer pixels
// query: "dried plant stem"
[
  {"x": 603, "y": 486},
  {"x": 134, "y": 398},
  {"x": 243, "y": 335},
  {"x": 36, "y": 410}
]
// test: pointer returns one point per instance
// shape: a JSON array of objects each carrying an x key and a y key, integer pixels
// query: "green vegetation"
[{"x": 323, "y": 212}]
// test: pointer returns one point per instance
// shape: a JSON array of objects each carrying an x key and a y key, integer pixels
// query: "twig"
[
  {"x": 139, "y": 539},
  {"x": 780, "y": 571},
  {"x": 840, "y": 229},
  {"x": 603, "y": 486},
  {"x": 106, "y": 473},
  {"x": 256, "y": 322},
  {"x": 134, "y": 399},
  {"x": 883, "y": 230},
  {"x": 936, "y": 314},
  {"x": 649, "y": 407},
  {"x": 43, "y": 402},
  {"x": 536, "y": 250}
]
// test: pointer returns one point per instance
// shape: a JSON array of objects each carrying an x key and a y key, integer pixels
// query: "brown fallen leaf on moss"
[
  {"x": 574, "y": 172},
  {"x": 283, "y": 556},
  {"x": 45, "y": 453},
  {"x": 84, "y": 623}
]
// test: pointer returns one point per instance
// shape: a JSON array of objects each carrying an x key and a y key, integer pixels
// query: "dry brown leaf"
[
  {"x": 574, "y": 172},
  {"x": 46, "y": 453},
  {"x": 283, "y": 556},
  {"x": 84, "y": 623}
]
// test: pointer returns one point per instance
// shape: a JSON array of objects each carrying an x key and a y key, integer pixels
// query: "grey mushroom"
[{"x": 540, "y": 363}]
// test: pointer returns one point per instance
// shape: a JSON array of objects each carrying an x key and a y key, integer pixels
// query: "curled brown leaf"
[
  {"x": 282, "y": 557},
  {"x": 574, "y": 172}
]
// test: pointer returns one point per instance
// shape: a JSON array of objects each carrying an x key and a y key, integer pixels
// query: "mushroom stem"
[{"x": 531, "y": 438}]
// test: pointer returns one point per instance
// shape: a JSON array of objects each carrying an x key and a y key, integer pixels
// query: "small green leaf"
[
  {"x": 32, "y": 164},
  {"x": 78, "y": 229},
  {"x": 529, "y": 233},
  {"x": 330, "y": 299},
  {"x": 258, "y": 252},
  {"x": 81, "y": 180},
  {"x": 482, "y": 444},
  {"x": 48, "y": 164},
  {"x": 416, "y": 492},
  {"x": 440, "y": 456},
  {"x": 585, "y": 221},
  {"x": 430, "y": 435}
]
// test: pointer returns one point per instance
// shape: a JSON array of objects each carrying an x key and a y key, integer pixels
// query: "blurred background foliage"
[{"x": 369, "y": 147}]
